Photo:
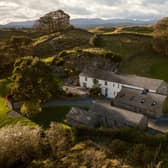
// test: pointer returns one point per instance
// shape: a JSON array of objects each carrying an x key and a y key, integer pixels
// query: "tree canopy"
[
  {"x": 161, "y": 37},
  {"x": 33, "y": 80}
]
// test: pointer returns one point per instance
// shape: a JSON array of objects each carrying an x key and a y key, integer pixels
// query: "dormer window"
[
  {"x": 145, "y": 91},
  {"x": 154, "y": 103}
]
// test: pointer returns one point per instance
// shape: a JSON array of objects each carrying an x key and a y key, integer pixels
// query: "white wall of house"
[{"x": 108, "y": 88}]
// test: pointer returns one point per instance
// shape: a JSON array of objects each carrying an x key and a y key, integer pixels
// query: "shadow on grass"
[{"x": 51, "y": 114}]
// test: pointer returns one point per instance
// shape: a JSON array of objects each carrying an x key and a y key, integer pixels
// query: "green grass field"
[
  {"x": 138, "y": 55},
  {"x": 5, "y": 120}
]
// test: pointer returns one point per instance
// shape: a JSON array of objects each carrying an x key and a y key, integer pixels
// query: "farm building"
[
  {"x": 79, "y": 117},
  {"x": 149, "y": 104},
  {"x": 111, "y": 83},
  {"x": 102, "y": 114}
]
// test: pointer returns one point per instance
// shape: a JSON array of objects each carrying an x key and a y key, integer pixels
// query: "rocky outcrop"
[{"x": 53, "y": 22}]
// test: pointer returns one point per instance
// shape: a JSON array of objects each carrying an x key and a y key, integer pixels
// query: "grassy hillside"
[
  {"x": 138, "y": 54},
  {"x": 49, "y": 45},
  {"x": 6, "y": 34},
  {"x": 145, "y": 30}
]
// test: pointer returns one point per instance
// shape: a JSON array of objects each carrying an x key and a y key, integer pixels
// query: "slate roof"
[
  {"x": 130, "y": 98},
  {"x": 126, "y": 115},
  {"x": 133, "y": 80},
  {"x": 80, "y": 117}
]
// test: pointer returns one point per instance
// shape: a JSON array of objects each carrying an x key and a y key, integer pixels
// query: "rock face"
[{"x": 53, "y": 22}]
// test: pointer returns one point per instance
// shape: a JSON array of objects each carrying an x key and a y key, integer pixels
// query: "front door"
[{"x": 106, "y": 92}]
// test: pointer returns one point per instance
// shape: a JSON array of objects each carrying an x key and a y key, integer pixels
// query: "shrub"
[
  {"x": 31, "y": 108},
  {"x": 118, "y": 147},
  {"x": 141, "y": 155},
  {"x": 62, "y": 54},
  {"x": 60, "y": 61},
  {"x": 94, "y": 40},
  {"x": 19, "y": 145},
  {"x": 59, "y": 138},
  {"x": 113, "y": 57},
  {"x": 95, "y": 90}
]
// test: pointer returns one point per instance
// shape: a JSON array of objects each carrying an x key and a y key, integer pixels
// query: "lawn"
[{"x": 5, "y": 120}]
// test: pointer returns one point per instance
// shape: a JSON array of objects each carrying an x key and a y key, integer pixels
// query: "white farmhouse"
[{"x": 111, "y": 83}]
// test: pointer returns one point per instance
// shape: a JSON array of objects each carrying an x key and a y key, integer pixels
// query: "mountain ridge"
[{"x": 87, "y": 23}]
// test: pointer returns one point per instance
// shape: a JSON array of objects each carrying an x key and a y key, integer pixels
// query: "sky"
[{"x": 22, "y": 10}]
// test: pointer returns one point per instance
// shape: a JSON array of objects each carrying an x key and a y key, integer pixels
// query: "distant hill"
[
  {"x": 86, "y": 23},
  {"x": 89, "y": 23},
  {"x": 25, "y": 24}
]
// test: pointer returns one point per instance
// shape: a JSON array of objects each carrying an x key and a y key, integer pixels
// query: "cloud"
[{"x": 19, "y": 10}]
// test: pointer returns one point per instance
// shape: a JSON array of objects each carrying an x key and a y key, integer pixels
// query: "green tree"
[
  {"x": 160, "y": 37},
  {"x": 33, "y": 81}
]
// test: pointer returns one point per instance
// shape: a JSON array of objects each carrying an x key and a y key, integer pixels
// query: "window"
[
  {"x": 105, "y": 83},
  {"x": 85, "y": 78},
  {"x": 142, "y": 101},
  {"x": 113, "y": 84},
  {"x": 118, "y": 85},
  {"x": 106, "y": 92},
  {"x": 84, "y": 85}
]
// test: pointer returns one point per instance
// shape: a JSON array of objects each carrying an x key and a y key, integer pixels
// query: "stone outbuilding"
[
  {"x": 53, "y": 21},
  {"x": 102, "y": 114},
  {"x": 114, "y": 117},
  {"x": 79, "y": 117},
  {"x": 144, "y": 102}
]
